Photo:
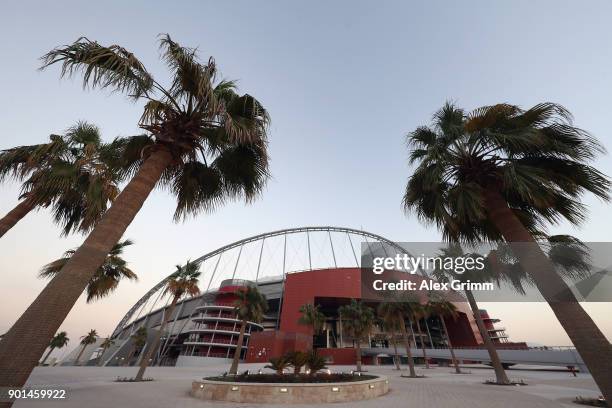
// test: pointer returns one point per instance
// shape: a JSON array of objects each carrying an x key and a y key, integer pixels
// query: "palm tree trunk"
[
  {"x": 408, "y": 351},
  {"x": 500, "y": 373},
  {"x": 422, "y": 343},
  {"x": 76, "y": 362},
  {"x": 129, "y": 356},
  {"x": 358, "y": 353},
  {"x": 24, "y": 344},
  {"x": 47, "y": 356},
  {"x": 590, "y": 342},
  {"x": 396, "y": 357},
  {"x": 238, "y": 351},
  {"x": 15, "y": 215},
  {"x": 100, "y": 360},
  {"x": 144, "y": 361},
  {"x": 450, "y": 346}
]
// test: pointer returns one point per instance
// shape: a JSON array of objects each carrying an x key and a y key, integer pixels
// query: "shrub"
[
  {"x": 315, "y": 362},
  {"x": 297, "y": 359},
  {"x": 278, "y": 364}
]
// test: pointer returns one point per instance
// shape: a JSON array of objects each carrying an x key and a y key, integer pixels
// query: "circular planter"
[{"x": 289, "y": 393}]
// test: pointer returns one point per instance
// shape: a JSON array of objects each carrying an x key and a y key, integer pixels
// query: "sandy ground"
[{"x": 95, "y": 387}]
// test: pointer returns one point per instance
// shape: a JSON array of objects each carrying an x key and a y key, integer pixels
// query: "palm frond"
[{"x": 102, "y": 66}]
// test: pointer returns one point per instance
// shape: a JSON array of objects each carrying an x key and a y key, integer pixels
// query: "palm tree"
[
  {"x": 502, "y": 173},
  {"x": 312, "y": 316},
  {"x": 358, "y": 321},
  {"x": 279, "y": 364},
  {"x": 297, "y": 359},
  {"x": 389, "y": 325},
  {"x": 139, "y": 339},
  {"x": 473, "y": 275},
  {"x": 183, "y": 282},
  {"x": 396, "y": 311},
  {"x": 89, "y": 338},
  {"x": 108, "y": 342},
  {"x": 443, "y": 309},
  {"x": 250, "y": 306},
  {"x": 204, "y": 142},
  {"x": 419, "y": 312},
  {"x": 106, "y": 278},
  {"x": 72, "y": 174},
  {"x": 58, "y": 341},
  {"x": 315, "y": 362}
]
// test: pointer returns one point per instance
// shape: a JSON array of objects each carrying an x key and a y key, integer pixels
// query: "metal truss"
[{"x": 263, "y": 237}]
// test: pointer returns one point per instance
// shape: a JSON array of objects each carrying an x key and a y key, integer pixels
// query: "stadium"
[{"x": 291, "y": 267}]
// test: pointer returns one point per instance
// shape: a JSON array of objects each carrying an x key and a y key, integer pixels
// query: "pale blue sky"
[{"x": 344, "y": 81}]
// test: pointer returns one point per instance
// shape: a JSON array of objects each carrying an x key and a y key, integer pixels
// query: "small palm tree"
[
  {"x": 203, "y": 141},
  {"x": 297, "y": 359},
  {"x": 443, "y": 309},
  {"x": 312, "y": 316},
  {"x": 183, "y": 282},
  {"x": 358, "y": 321},
  {"x": 71, "y": 174},
  {"x": 139, "y": 339},
  {"x": 396, "y": 311},
  {"x": 59, "y": 341},
  {"x": 250, "y": 306},
  {"x": 89, "y": 338},
  {"x": 502, "y": 173},
  {"x": 279, "y": 364},
  {"x": 108, "y": 342},
  {"x": 315, "y": 362},
  {"x": 107, "y": 277}
]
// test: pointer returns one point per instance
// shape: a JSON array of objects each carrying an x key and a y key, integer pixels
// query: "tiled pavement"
[{"x": 94, "y": 387}]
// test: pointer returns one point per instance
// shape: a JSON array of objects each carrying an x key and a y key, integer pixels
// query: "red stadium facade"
[
  {"x": 291, "y": 267},
  {"x": 329, "y": 289}
]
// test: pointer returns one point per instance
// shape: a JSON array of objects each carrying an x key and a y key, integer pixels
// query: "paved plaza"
[{"x": 94, "y": 387}]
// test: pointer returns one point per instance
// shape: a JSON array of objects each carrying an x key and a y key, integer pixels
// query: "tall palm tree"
[
  {"x": 250, "y": 306},
  {"x": 396, "y": 311},
  {"x": 58, "y": 341},
  {"x": 358, "y": 321},
  {"x": 72, "y": 174},
  {"x": 108, "y": 342},
  {"x": 183, "y": 282},
  {"x": 139, "y": 339},
  {"x": 502, "y": 173},
  {"x": 204, "y": 142},
  {"x": 89, "y": 338},
  {"x": 419, "y": 312},
  {"x": 442, "y": 308},
  {"x": 312, "y": 316},
  {"x": 390, "y": 326},
  {"x": 106, "y": 278}
]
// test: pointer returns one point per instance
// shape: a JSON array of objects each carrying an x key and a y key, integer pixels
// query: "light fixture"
[
  {"x": 201, "y": 385},
  {"x": 335, "y": 389},
  {"x": 371, "y": 386},
  {"x": 283, "y": 390},
  {"x": 234, "y": 388}
]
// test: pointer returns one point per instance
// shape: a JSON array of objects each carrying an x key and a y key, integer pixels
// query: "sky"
[{"x": 344, "y": 82}]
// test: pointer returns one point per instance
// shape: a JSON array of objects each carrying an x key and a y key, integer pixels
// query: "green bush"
[
  {"x": 297, "y": 359},
  {"x": 278, "y": 364},
  {"x": 315, "y": 362}
]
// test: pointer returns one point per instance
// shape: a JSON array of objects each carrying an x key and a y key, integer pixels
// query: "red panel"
[
  {"x": 302, "y": 287},
  {"x": 267, "y": 344},
  {"x": 340, "y": 356},
  {"x": 461, "y": 332}
]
